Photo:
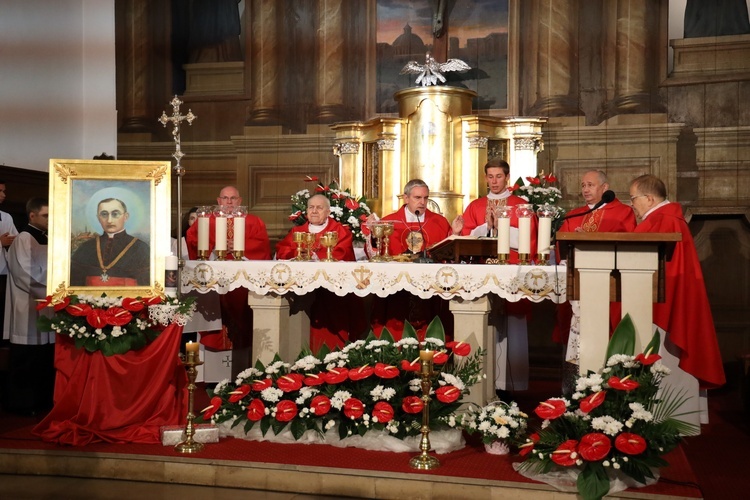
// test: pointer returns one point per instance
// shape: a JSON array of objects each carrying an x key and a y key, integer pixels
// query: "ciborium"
[{"x": 329, "y": 240}]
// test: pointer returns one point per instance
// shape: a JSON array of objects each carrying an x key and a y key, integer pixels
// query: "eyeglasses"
[
  {"x": 115, "y": 214},
  {"x": 632, "y": 198},
  {"x": 230, "y": 198}
]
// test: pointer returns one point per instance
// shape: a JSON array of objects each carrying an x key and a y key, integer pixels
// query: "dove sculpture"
[{"x": 432, "y": 71}]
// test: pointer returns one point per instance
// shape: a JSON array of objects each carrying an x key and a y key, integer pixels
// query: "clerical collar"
[
  {"x": 410, "y": 217},
  {"x": 665, "y": 202},
  {"x": 38, "y": 228},
  {"x": 315, "y": 228},
  {"x": 592, "y": 205},
  {"x": 500, "y": 196},
  {"x": 112, "y": 235}
]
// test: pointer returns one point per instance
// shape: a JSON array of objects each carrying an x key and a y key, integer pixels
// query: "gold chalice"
[
  {"x": 329, "y": 240},
  {"x": 377, "y": 231},
  {"x": 309, "y": 243},
  {"x": 299, "y": 240},
  {"x": 387, "y": 232}
]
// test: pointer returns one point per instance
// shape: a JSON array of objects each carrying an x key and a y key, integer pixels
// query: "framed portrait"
[{"x": 109, "y": 227}]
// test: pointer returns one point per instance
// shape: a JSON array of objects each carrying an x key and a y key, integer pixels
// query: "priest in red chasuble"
[
  {"x": 611, "y": 217},
  {"x": 333, "y": 320},
  {"x": 235, "y": 313},
  {"x": 478, "y": 219},
  {"x": 686, "y": 313},
  {"x": 415, "y": 228}
]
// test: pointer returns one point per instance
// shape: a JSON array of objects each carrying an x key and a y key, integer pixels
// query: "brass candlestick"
[
  {"x": 502, "y": 258},
  {"x": 542, "y": 259},
  {"x": 202, "y": 254},
  {"x": 238, "y": 254},
  {"x": 424, "y": 461},
  {"x": 221, "y": 254},
  {"x": 524, "y": 259},
  {"x": 189, "y": 446}
]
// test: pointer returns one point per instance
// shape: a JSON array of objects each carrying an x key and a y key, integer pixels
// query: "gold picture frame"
[{"x": 79, "y": 191}]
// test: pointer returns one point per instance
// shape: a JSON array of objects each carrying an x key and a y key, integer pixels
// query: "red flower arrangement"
[{"x": 113, "y": 325}]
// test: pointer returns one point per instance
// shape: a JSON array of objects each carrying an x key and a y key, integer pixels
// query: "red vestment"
[
  {"x": 686, "y": 313},
  {"x": 257, "y": 246},
  {"x": 475, "y": 215},
  {"x": 613, "y": 217},
  {"x": 332, "y": 319},
  {"x": 287, "y": 248},
  {"x": 435, "y": 229},
  {"x": 392, "y": 311}
]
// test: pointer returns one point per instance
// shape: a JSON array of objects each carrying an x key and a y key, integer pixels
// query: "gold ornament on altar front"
[
  {"x": 425, "y": 461},
  {"x": 329, "y": 240},
  {"x": 191, "y": 361}
]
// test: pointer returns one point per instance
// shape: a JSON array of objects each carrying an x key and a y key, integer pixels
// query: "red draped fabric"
[{"x": 123, "y": 398}]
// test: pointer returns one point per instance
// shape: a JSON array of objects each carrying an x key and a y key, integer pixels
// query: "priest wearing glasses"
[{"x": 113, "y": 258}]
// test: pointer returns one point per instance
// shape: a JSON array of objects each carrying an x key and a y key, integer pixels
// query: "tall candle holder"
[
  {"x": 525, "y": 212},
  {"x": 424, "y": 461},
  {"x": 191, "y": 363},
  {"x": 545, "y": 213},
  {"x": 503, "y": 215}
]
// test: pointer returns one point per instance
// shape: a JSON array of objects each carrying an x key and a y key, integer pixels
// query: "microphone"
[
  {"x": 607, "y": 197},
  {"x": 424, "y": 259}
]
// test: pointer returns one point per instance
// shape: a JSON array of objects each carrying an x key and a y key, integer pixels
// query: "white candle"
[
  {"x": 524, "y": 235},
  {"x": 238, "y": 243},
  {"x": 221, "y": 233},
  {"x": 503, "y": 235},
  {"x": 171, "y": 262},
  {"x": 545, "y": 234},
  {"x": 203, "y": 233}
]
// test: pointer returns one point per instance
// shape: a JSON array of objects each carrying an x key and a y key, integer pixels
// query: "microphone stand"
[{"x": 423, "y": 258}]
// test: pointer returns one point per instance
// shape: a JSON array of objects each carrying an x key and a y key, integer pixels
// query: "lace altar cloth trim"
[{"x": 467, "y": 281}]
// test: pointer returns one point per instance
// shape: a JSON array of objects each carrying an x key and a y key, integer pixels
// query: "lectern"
[{"x": 611, "y": 266}]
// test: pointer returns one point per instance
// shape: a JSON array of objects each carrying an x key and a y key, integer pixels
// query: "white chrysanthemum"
[
  {"x": 221, "y": 385},
  {"x": 659, "y": 368},
  {"x": 608, "y": 425},
  {"x": 271, "y": 394},
  {"x": 337, "y": 211},
  {"x": 338, "y": 399},
  {"x": 373, "y": 344},
  {"x": 309, "y": 362},
  {"x": 415, "y": 385},
  {"x": 407, "y": 342},
  {"x": 640, "y": 413},
  {"x": 433, "y": 342},
  {"x": 248, "y": 373},
  {"x": 451, "y": 379}
]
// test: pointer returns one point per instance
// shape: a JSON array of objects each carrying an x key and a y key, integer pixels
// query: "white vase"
[{"x": 497, "y": 448}]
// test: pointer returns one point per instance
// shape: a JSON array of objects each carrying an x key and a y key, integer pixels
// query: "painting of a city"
[{"x": 477, "y": 34}]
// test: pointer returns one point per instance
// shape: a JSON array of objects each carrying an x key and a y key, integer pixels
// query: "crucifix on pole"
[{"x": 179, "y": 171}]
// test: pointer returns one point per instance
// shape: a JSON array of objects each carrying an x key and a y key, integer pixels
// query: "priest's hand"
[
  {"x": 6, "y": 239},
  {"x": 457, "y": 225}
]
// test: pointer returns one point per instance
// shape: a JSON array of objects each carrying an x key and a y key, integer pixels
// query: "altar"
[{"x": 278, "y": 328}]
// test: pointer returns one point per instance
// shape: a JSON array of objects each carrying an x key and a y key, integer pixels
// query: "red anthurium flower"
[
  {"x": 410, "y": 367},
  {"x": 259, "y": 385},
  {"x": 336, "y": 375},
  {"x": 630, "y": 444},
  {"x": 360, "y": 373},
  {"x": 311, "y": 178},
  {"x": 117, "y": 316},
  {"x": 514, "y": 187},
  {"x": 565, "y": 454},
  {"x": 44, "y": 303},
  {"x": 314, "y": 379},
  {"x": 286, "y": 410},
  {"x": 448, "y": 393},
  {"x": 625, "y": 384},
  {"x": 440, "y": 358},
  {"x": 386, "y": 371},
  {"x": 296, "y": 215},
  {"x": 256, "y": 410},
  {"x": 353, "y": 408},
  {"x": 212, "y": 408},
  {"x": 551, "y": 178},
  {"x": 528, "y": 446},
  {"x": 383, "y": 411},
  {"x": 550, "y": 409},
  {"x": 594, "y": 446},
  {"x": 133, "y": 304},
  {"x": 97, "y": 318},
  {"x": 459, "y": 348},
  {"x": 647, "y": 359},
  {"x": 63, "y": 304},
  {"x": 412, "y": 404},
  {"x": 152, "y": 301},
  {"x": 291, "y": 382},
  {"x": 592, "y": 401},
  {"x": 240, "y": 393},
  {"x": 320, "y": 405},
  {"x": 78, "y": 309},
  {"x": 534, "y": 180},
  {"x": 351, "y": 204}
]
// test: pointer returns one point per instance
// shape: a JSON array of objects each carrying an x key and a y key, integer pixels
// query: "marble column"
[
  {"x": 555, "y": 71},
  {"x": 264, "y": 63},
  {"x": 136, "y": 66},
  {"x": 329, "y": 91}
]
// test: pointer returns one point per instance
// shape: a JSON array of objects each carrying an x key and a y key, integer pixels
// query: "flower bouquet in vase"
[
  {"x": 500, "y": 424},
  {"x": 613, "y": 432}
]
